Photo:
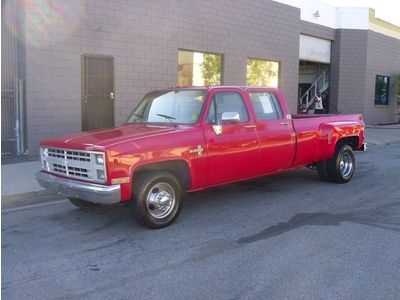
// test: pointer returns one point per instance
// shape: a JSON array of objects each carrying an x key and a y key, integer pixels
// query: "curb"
[
  {"x": 29, "y": 198},
  {"x": 386, "y": 126}
]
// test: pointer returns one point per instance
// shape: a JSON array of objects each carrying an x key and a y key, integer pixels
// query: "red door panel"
[
  {"x": 234, "y": 154},
  {"x": 275, "y": 131}
]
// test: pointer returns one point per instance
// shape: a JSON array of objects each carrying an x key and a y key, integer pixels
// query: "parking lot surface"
[{"x": 288, "y": 236}]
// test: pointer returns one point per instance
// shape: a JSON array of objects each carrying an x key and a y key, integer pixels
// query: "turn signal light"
[{"x": 120, "y": 180}]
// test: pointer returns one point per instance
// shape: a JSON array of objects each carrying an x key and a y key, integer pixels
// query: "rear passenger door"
[
  {"x": 277, "y": 138},
  {"x": 233, "y": 154}
]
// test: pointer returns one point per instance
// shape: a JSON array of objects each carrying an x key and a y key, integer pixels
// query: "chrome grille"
[{"x": 74, "y": 163}]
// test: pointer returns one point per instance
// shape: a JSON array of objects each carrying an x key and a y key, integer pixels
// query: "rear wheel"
[
  {"x": 156, "y": 201},
  {"x": 82, "y": 203},
  {"x": 341, "y": 166}
]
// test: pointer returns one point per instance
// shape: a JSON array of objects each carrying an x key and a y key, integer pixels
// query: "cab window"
[
  {"x": 266, "y": 105},
  {"x": 226, "y": 102}
]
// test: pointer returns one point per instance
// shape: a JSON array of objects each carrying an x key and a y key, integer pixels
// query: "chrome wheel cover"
[
  {"x": 160, "y": 200},
  {"x": 346, "y": 164}
]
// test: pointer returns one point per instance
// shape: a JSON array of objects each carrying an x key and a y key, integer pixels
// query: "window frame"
[
  {"x": 212, "y": 100},
  {"x": 387, "y": 91},
  {"x": 265, "y": 60},
  {"x": 203, "y": 52},
  {"x": 275, "y": 103}
]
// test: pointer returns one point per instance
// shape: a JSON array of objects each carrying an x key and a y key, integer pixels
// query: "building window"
[
  {"x": 199, "y": 68},
  {"x": 382, "y": 90},
  {"x": 262, "y": 72}
]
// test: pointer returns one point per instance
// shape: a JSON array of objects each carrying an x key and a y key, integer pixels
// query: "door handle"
[
  {"x": 284, "y": 123},
  {"x": 249, "y": 126}
]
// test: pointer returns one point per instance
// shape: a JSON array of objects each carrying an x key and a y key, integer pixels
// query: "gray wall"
[
  {"x": 383, "y": 58},
  {"x": 357, "y": 57},
  {"x": 348, "y": 70},
  {"x": 144, "y": 37}
]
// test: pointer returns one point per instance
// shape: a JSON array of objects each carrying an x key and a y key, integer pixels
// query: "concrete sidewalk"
[
  {"x": 19, "y": 186},
  {"x": 382, "y": 135}
]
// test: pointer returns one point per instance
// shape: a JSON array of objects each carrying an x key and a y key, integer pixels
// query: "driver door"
[{"x": 233, "y": 154}]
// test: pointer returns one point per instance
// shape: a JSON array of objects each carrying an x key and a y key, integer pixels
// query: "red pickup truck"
[{"x": 187, "y": 139}]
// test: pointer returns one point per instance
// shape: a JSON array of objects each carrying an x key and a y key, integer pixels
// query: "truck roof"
[{"x": 215, "y": 87}]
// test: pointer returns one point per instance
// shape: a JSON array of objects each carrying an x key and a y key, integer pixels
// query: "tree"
[
  {"x": 397, "y": 84},
  {"x": 260, "y": 72},
  {"x": 211, "y": 69}
]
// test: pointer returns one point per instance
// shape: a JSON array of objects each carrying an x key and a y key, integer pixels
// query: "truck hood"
[{"x": 102, "y": 139}]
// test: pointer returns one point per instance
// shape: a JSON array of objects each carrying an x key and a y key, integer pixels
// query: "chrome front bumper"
[{"x": 96, "y": 193}]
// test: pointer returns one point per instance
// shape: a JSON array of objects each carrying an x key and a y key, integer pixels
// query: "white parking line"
[{"x": 30, "y": 206}]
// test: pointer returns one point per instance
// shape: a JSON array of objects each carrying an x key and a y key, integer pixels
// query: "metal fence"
[
  {"x": 12, "y": 94},
  {"x": 12, "y": 121}
]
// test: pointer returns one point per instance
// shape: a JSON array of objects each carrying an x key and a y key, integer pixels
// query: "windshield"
[{"x": 176, "y": 107}]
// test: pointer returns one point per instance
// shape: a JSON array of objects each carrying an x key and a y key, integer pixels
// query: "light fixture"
[
  {"x": 316, "y": 14},
  {"x": 99, "y": 159}
]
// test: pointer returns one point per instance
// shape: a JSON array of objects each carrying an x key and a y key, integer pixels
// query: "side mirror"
[{"x": 230, "y": 117}]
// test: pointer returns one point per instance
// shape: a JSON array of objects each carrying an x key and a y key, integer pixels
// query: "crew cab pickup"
[{"x": 188, "y": 139}]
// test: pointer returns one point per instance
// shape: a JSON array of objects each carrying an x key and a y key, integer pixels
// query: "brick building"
[{"x": 82, "y": 64}]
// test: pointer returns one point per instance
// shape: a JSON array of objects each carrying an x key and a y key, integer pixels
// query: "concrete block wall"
[
  {"x": 383, "y": 60},
  {"x": 357, "y": 57},
  {"x": 144, "y": 38},
  {"x": 348, "y": 70}
]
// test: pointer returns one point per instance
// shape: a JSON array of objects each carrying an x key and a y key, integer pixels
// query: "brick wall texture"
[
  {"x": 357, "y": 57},
  {"x": 144, "y": 38},
  {"x": 383, "y": 58}
]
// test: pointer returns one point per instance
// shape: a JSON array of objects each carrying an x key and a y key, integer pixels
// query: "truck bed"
[{"x": 315, "y": 134}]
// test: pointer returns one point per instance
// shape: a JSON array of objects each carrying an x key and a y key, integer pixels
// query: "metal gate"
[
  {"x": 12, "y": 120},
  {"x": 97, "y": 91},
  {"x": 12, "y": 72}
]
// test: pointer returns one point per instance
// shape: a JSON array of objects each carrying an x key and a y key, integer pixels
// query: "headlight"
[
  {"x": 100, "y": 166},
  {"x": 99, "y": 159},
  {"x": 44, "y": 153},
  {"x": 101, "y": 175}
]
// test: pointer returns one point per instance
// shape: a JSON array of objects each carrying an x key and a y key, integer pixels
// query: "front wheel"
[
  {"x": 341, "y": 166},
  {"x": 156, "y": 201}
]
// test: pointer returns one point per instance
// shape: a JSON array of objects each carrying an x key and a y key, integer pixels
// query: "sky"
[{"x": 388, "y": 10}]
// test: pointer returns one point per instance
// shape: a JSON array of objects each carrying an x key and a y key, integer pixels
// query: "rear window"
[{"x": 266, "y": 105}]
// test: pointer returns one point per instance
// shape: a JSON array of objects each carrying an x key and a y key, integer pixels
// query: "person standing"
[{"x": 319, "y": 108}]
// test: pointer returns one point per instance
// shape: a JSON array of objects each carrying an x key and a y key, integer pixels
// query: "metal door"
[
  {"x": 97, "y": 91},
  {"x": 12, "y": 120},
  {"x": 12, "y": 74}
]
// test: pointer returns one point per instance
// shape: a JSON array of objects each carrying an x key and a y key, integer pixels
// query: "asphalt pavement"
[{"x": 289, "y": 236}]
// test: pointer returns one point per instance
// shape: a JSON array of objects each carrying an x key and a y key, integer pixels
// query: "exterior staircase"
[{"x": 321, "y": 84}]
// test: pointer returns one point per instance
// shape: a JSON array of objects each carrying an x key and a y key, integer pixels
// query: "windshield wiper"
[{"x": 169, "y": 118}]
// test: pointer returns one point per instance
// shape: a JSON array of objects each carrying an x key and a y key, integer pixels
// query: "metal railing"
[{"x": 321, "y": 84}]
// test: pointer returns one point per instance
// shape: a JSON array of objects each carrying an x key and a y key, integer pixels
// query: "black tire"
[
  {"x": 341, "y": 166},
  {"x": 322, "y": 168},
  {"x": 148, "y": 191},
  {"x": 82, "y": 203}
]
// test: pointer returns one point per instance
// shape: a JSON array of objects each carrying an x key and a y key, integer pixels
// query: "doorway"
[
  {"x": 313, "y": 79},
  {"x": 97, "y": 91}
]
